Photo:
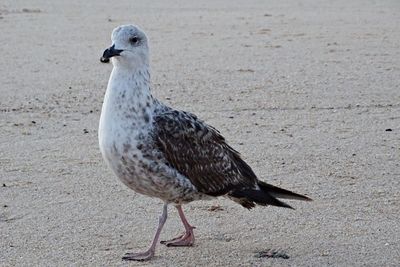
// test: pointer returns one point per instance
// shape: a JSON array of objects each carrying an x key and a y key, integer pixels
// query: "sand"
[{"x": 307, "y": 91}]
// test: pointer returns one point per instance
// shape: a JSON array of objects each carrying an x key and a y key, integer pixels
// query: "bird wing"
[{"x": 200, "y": 152}]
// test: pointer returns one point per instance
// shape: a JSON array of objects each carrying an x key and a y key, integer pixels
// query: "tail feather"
[
  {"x": 259, "y": 197},
  {"x": 280, "y": 192},
  {"x": 266, "y": 195}
]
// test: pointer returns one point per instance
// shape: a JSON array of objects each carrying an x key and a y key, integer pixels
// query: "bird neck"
[
  {"x": 128, "y": 94},
  {"x": 134, "y": 86},
  {"x": 136, "y": 81}
]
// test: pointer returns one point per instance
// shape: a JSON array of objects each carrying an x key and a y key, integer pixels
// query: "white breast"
[{"x": 125, "y": 123}]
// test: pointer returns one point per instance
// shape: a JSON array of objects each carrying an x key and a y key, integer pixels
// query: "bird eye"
[{"x": 134, "y": 40}]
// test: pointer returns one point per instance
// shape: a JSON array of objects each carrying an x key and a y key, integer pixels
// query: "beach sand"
[{"x": 307, "y": 91}]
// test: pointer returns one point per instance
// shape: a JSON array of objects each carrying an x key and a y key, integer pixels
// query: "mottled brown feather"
[{"x": 199, "y": 152}]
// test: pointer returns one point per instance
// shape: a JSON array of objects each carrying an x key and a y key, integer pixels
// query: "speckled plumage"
[
  {"x": 165, "y": 153},
  {"x": 127, "y": 140}
]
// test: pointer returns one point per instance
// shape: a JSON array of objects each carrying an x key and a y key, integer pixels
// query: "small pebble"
[
  {"x": 31, "y": 10},
  {"x": 215, "y": 208},
  {"x": 271, "y": 254},
  {"x": 388, "y": 130},
  {"x": 85, "y": 131},
  {"x": 245, "y": 70}
]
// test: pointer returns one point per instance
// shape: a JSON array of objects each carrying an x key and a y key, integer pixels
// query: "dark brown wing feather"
[{"x": 200, "y": 152}]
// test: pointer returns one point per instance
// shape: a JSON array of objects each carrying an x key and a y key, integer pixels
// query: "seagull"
[{"x": 166, "y": 153}]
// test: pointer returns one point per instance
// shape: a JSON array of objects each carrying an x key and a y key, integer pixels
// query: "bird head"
[{"x": 129, "y": 47}]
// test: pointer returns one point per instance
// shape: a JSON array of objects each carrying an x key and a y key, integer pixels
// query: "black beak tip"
[
  {"x": 104, "y": 60},
  {"x": 109, "y": 53}
]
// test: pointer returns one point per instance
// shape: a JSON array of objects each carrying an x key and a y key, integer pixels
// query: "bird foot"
[
  {"x": 184, "y": 240},
  {"x": 141, "y": 256}
]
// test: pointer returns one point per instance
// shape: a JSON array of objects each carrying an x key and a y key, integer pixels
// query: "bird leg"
[
  {"x": 143, "y": 256},
  {"x": 184, "y": 240}
]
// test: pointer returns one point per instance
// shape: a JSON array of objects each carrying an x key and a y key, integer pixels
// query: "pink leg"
[
  {"x": 143, "y": 256},
  {"x": 184, "y": 240}
]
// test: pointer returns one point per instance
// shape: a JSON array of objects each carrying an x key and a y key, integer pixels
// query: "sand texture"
[{"x": 307, "y": 91}]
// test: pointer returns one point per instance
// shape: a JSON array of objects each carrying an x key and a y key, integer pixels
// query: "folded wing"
[{"x": 200, "y": 152}]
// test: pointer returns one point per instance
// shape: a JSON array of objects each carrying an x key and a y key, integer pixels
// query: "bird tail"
[{"x": 266, "y": 195}]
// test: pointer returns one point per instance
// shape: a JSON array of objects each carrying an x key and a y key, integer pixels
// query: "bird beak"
[{"x": 109, "y": 53}]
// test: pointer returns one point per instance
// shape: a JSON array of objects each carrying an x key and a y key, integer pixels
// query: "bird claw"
[
  {"x": 179, "y": 243},
  {"x": 141, "y": 256},
  {"x": 185, "y": 240},
  {"x": 165, "y": 242}
]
